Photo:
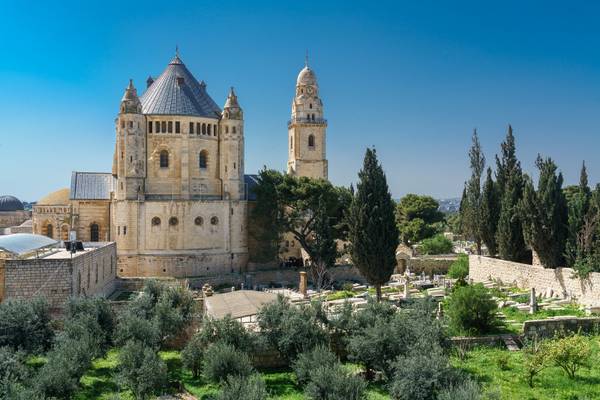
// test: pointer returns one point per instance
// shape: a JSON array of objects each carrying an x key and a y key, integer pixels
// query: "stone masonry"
[{"x": 525, "y": 276}]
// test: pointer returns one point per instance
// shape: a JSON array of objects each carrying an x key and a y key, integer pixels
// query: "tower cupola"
[
  {"x": 130, "y": 103},
  {"x": 232, "y": 109}
]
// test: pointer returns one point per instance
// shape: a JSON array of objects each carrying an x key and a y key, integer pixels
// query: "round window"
[
  {"x": 173, "y": 221},
  {"x": 214, "y": 221},
  {"x": 199, "y": 221},
  {"x": 155, "y": 221}
]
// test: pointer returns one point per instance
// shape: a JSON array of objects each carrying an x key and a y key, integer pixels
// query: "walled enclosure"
[
  {"x": 59, "y": 277},
  {"x": 525, "y": 276}
]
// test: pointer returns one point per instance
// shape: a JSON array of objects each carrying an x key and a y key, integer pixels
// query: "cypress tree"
[
  {"x": 372, "y": 227},
  {"x": 544, "y": 214},
  {"x": 490, "y": 212},
  {"x": 472, "y": 218},
  {"x": 578, "y": 207},
  {"x": 509, "y": 178}
]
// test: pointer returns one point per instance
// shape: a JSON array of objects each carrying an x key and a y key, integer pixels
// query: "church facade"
[{"x": 176, "y": 202}]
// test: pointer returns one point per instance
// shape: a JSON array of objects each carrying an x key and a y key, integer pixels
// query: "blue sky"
[{"x": 411, "y": 78}]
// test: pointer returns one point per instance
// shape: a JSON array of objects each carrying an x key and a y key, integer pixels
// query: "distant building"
[{"x": 12, "y": 212}]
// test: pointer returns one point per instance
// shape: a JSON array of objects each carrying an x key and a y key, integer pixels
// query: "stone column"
[
  {"x": 533, "y": 307},
  {"x": 303, "y": 286},
  {"x": 406, "y": 289}
]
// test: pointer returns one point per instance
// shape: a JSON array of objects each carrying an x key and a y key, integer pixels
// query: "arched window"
[
  {"x": 311, "y": 141},
  {"x": 94, "y": 233},
  {"x": 173, "y": 221},
  {"x": 203, "y": 159},
  {"x": 214, "y": 221},
  {"x": 204, "y": 129},
  {"x": 164, "y": 159},
  {"x": 209, "y": 129},
  {"x": 64, "y": 232},
  {"x": 233, "y": 129},
  {"x": 310, "y": 105},
  {"x": 199, "y": 221},
  {"x": 155, "y": 221},
  {"x": 50, "y": 231}
]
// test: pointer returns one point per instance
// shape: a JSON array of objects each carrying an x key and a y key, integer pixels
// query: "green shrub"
[
  {"x": 141, "y": 370},
  {"x": 334, "y": 383},
  {"x": 468, "y": 390},
  {"x": 99, "y": 310},
  {"x": 307, "y": 362},
  {"x": 13, "y": 371},
  {"x": 439, "y": 244},
  {"x": 471, "y": 310},
  {"x": 570, "y": 353},
  {"x": 422, "y": 376},
  {"x": 290, "y": 329},
  {"x": 459, "y": 268},
  {"x": 239, "y": 387},
  {"x": 223, "y": 360},
  {"x": 192, "y": 354},
  {"x": 25, "y": 325},
  {"x": 226, "y": 330},
  {"x": 535, "y": 359},
  {"x": 137, "y": 328}
]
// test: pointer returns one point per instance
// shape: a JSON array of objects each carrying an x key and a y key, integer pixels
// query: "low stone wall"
[
  {"x": 525, "y": 276},
  {"x": 430, "y": 265},
  {"x": 469, "y": 342},
  {"x": 560, "y": 325}
]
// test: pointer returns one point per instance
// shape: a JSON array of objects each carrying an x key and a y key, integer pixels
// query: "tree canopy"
[
  {"x": 372, "y": 230},
  {"x": 417, "y": 217}
]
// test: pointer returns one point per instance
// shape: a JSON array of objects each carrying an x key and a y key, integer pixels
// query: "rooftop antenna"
[{"x": 177, "y": 51}]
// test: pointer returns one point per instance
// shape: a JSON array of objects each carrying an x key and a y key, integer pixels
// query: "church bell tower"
[{"x": 306, "y": 129}]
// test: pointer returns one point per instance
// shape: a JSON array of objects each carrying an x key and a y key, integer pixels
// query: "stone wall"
[
  {"x": 13, "y": 218},
  {"x": 525, "y": 276},
  {"x": 57, "y": 279},
  {"x": 430, "y": 265},
  {"x": 560, "y": 325}
]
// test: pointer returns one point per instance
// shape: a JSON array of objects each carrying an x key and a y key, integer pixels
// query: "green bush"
[
  {"x": 223, "y": 360},
  {"x": 468, "y": 390},
  {"x": 439, "y": 244},
  {"x": 290, "y": 329},
  {"x": 137, "y": 328},
  {"x": 334, "y": 383},
  {"x": 307, "y": 362},
  {"x": 97, "y": 309},
  {"x": 422, "y": 376},
  {"x": 239, "y": 387},
  {"x": 141, "y": 370},
  {"x": 226, "y": 330},
  {"x": 535, "y": 359},
  {"x": 13, "y": 371},
  {"x": 192, "y": 355},
  {"x": 471, "y": 310},
  {"x": 459, "y": 268},
  {"x": 25, "y": 325},
  {"x": 570, "y": 353}
]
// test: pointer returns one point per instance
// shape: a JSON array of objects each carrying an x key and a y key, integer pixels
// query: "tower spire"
[
  {"x": 306, "y": 59},
  {"x": 177, "y": 51}
]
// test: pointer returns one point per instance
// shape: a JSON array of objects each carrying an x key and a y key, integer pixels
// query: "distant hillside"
[{"x": 449, "y": 205}]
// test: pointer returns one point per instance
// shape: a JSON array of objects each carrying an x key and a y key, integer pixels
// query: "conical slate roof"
[{"x": 177, "y": 92}]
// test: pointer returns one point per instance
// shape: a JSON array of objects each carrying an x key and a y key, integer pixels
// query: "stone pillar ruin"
[
  {"x": 303, "y": 286},
  {"x": 533, "y": 306},
  {"x": 406, "y": 289}
]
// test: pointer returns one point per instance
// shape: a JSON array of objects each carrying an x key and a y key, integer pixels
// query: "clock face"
[{"x": 309, "y": 90}]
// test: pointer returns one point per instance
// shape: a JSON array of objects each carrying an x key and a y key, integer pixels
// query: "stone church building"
[{"x": 176, "y": 201}]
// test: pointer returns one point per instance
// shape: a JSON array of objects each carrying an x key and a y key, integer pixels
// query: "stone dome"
[
  {"x": 10, "y": 203},
  {"x": 60, "y": 197},
  {"x": 306, "y": 77}
]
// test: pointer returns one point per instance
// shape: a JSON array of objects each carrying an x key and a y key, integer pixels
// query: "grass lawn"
[
  {"x": 100, "y": 381},
  {"x": 502, "y": 372},
  {"x": 514, "y": 314}
]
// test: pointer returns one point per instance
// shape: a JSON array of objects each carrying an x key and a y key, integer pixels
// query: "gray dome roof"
[
  {"x": 177, "y": 92},
  {"x": 10, "y": 203}
]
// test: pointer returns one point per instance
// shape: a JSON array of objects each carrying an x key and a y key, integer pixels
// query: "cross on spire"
[
  {"x": 306, "y": 59},
  {"x": 177, "y": 51}
]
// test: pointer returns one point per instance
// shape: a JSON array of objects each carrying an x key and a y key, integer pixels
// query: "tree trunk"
[{"x": 378, "y": 292}]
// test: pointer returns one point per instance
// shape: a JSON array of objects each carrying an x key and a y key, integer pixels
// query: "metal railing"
[{"x": 307, "y": 121}]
